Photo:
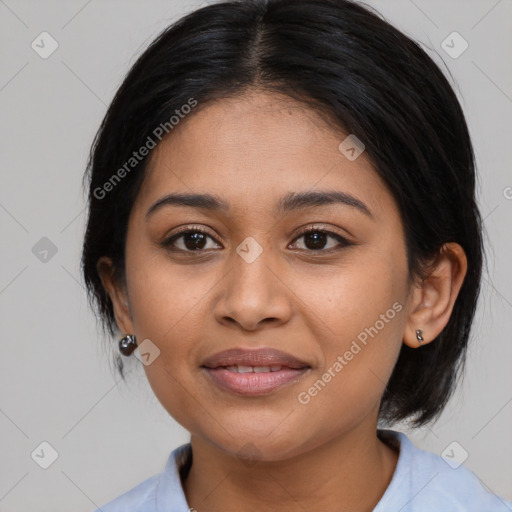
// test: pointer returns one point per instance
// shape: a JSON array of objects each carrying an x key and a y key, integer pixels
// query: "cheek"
[
  {"x": 168, "y": 305},
  {"x": 356, "y": 295},
  {"x": 166, "y": 297},
  {"x": 358, "y": 319}
]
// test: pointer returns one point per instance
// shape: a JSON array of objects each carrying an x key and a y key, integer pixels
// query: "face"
[{"x": 245, "y": 276}]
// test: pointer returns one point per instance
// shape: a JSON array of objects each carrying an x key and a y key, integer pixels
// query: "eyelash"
[{"x": 168, "y": 243}]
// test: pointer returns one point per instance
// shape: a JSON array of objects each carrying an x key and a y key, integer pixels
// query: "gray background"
[{"x": 55, "y": 377}]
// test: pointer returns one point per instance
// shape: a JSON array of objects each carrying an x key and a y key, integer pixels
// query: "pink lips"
[{"x": 253, "y": 372}]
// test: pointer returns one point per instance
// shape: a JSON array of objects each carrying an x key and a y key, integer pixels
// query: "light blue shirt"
[{"x": 422, "y": 482}]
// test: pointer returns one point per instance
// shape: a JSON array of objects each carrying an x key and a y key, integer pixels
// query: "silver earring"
[
  {"x": 127, "y": 345},
  {"x": 419, "y": 336}
]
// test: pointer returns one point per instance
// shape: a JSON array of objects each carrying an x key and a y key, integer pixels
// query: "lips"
[
  {"x": 268, "y": 359},
  {"x": 254, "y": 372}
]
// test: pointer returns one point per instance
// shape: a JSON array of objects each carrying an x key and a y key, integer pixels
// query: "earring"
[
  {"x": 419, "y": 336},
  {"x": 127, "y": 345}
]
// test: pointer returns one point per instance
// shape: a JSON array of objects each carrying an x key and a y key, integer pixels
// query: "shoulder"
[
  {"x": 141, "y": 498},
  {"x": 162, "y": 491},
  {"x": 424, "y": 481}
]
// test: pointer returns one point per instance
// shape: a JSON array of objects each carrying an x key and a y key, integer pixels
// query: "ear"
[
  {"x": 117, "y": 293},
  {"x": 432, "y": 300}
]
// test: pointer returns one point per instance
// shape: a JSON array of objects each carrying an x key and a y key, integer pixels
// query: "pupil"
[
  {"x": 197, "y": 241},
  {"x": 317, "y": 239}
]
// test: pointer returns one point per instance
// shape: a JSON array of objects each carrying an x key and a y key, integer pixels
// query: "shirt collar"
[{"x": 169, "y": 493}]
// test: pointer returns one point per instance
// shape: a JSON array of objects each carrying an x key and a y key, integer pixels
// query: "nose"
[{"x": 254, "y": 292}]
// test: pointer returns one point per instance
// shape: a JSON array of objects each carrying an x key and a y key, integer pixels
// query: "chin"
[{"x": 261, "y": 445}]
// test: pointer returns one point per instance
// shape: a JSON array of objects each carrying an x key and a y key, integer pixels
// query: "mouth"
[
  {"x": 254, "y": 369},
  {"x": 254, "y": 372}
]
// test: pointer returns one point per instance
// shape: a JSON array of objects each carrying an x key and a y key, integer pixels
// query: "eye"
[
  {"x": 316, "y": 239},
  {"x": 195, "y": 239}
]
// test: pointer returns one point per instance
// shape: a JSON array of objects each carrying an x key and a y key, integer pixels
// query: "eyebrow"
[{"x": 290, "y": 202}]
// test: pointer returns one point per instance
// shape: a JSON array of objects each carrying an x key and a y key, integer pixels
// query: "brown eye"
[
  {"x": 193, "y": 240},
  {"x": 197, "y": 240},
  {"x": 318, "y": 240}
]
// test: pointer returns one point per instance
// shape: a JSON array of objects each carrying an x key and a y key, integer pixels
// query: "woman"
[{"x": 283, "y": 229}]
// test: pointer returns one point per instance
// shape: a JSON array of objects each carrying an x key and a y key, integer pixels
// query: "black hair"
[{"x": 345, "y": 61}]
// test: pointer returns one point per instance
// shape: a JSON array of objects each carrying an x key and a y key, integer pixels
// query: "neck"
[{"x": 350, "y": 472}]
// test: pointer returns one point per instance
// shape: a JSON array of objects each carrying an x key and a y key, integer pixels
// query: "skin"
[{"x": 251, "y": 150}]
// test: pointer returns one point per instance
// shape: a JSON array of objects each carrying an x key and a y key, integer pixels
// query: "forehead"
[{"x": 254, "y": 146}]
